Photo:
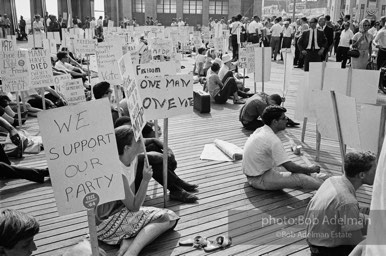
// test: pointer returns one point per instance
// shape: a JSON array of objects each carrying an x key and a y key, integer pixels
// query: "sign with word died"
[
  {"x": 108, "y": 55},
  {"x": 14, "y": 70},
  {"x": 74, "y": 91},
  {"x": 40, "y": 68},
  {"x": 164, "y": 97},
  {"x": 155, "y": 69},
  {"x": 136, "y": 110},
  {"x": 81, "y": 153},
  {"x": 84, "y": 46}
]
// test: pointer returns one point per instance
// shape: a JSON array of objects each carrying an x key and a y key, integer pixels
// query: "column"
[
  {"x": 257, "y": 8},
  {"x": 125, "y": 7},
  {"x": 151, "y": 9},
  {"x": 205, "y": 12},
  {"x": 234, "y": 8},
  {"x": 180, "y": 5}
]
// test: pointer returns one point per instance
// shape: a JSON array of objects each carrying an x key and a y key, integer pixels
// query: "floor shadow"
[
  {"x": 202, "y": 115},
  {"x": 225, "y": 106},
  {"x": 11, "y": 192}
]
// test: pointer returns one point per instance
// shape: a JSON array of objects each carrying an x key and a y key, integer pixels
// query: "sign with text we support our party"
[
  {"x": 164, "y": 97},
  {"x": 40, "y": 68},
  {"x": 81, "y": 153},
  {"x": 15, "y": 71},
  {"x": 107, "y": 55}
]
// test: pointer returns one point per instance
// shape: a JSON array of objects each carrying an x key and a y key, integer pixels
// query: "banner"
[
  {"x": 164, "y": 97},
  {"x": 82, "y": 154}
]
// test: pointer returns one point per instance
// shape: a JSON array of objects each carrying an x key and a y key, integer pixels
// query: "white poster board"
[
  {"x": 7, "y": 45},
  {"x": 85, "y": 46},
  {"x": 74, "y": 91},
  {"x": 136, "y": 110},
  {"x": 259, "y": 64},
  {"x": 161, "y": 47},
  {"x": 40, "y": 68},
  {"x": 15, "y": 71},
  {"x": 369, "y": 125},
  {"x": 364, "y": 85},
  {"x": 251, "y": 57},
  {"x": 82, "y": 154},
  {"x": 325, "y": 117},
  {"x": 61, "y": 81},
  {"x": 155, "y": 69},
  {"x": 108, "y": 55},
  {"x": 164, "y": 97}
]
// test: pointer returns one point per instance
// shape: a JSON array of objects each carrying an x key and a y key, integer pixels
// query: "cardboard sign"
[
  {"x": 161, "y": 47},
  {"x": 136, "y": 110},
  {"x": 85, "y": 46},
  {"x": 82, "y": 154},
  {"x": 7, "y": 45},
  {"x": 40, "y": 68},
  {"x": 251, "y": 57},
  {"x": 218, "y": 43},
  {"x": 259, "y": 64},
  {"x": 146, "y": 57},
  {"x": 61, "y": 81},
  {"x": 164, "y": 97},
  {"x": 35, "y": 41},
  {"x": 243, "y": 58},
  {"x": 110, "y": 24},
  {"x": 108, "y": 55},
  {"x": 126, "y": 68},
  {"x": 369, "y": 125},
  {"x": 155, "y": 69},
  {"x": 74, "y": 91},
  {"x": 15, "y": 71}
]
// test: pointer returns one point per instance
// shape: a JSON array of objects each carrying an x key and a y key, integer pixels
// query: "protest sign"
[
  {"x": 251, "y": 57},
  {"x": 262, "y": 63},
  {"x": 126, "y": 68},
  {"x": 74, "y": 91},
  {"x": 55, "y": 36},
  {"x": 243, "y": 57},
  {"x": 218, "y": 43},
  {"x": 108, "y": 55},
  {"x": 7, "y": 45},
  {"x": 40, "y": 68},
  {"x": 136, "y": 110},
  {"x": 60, "y": 82},
  {"x": 82, "y": 154},
  {"x": 35, "y": 41},
  {"x": 146, "y": 57},
  {"x": 14, "y": 70},
  {"x": 155, "y": 69},
  {"x": 161, "y": 47},
  {"x": 130, "y": 47},
  {"x": 84, "y": 46},
  {"x": 164, "y": 97}
]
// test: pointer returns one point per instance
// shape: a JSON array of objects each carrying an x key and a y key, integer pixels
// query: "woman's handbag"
[{"x": 353, "y": 53}]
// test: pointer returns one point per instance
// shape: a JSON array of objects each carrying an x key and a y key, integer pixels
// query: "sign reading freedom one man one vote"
[
  {"x": 82, "y": 154},
  {"x": 164, "y": 97}
]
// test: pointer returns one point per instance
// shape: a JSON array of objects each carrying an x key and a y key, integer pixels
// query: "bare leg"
[
  {"x": 147, "y": 235},
  {"x": 125, "y": 246}
]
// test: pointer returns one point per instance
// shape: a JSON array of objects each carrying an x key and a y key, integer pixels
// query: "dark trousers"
[
  {"x": 235, "y": 47},
  {"x": 17, "y": 172},
  {"x": 343, "y": 250},
  {"x": 253, "y": 38},
  {"x": 251, "y": 126},
  {"x": 381, "y": 57},
  {"x": 341, "y": 55},
  {"x": 311, "y": 56},
  {"x": 297, "y": 52},
  {"x": 228, "y": 89}
]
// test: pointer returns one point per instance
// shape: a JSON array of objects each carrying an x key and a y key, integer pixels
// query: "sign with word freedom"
[
  {"x": 14, "y": 70},
  {"x": 82, "y": 154},
  {"x": 164, "y": 97}
]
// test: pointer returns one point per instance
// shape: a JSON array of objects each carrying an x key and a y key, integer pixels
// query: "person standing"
[
  {"x": 254, "y": 30},
  {"x": 380, "y": 43},
  {"x": 312, "y": 44},
  {"x": 362, "y": 41},
  {"x": 288, "y": 34},
  {"x": 7, "y": 25},
  {"x": 276, "y": 31},
  {"x": 329, "y": 34},
  {"x": 344, "y": 44},
  {"x": 235, "y": 28},
  {"x": 22, "y": 25}
]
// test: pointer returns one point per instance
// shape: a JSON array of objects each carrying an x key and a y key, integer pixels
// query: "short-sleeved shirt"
[
  {"x": 263, "y": 151},
  {"x": 287, "y": 32},
  {"x": 253, "y": 26},
  {"x": 64, "y": 66},
  {"x": 333, "y": 211},
  {"x": 345, "y": 37},
  {"x": 276, "y": 30},
  {"x": 253, "y": 108},
  {"x": 214, "y": 84},
  {"x": 380, "y": 38}
]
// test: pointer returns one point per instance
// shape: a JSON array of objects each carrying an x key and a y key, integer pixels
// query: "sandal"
[
  {"x": 15, "y": 139},
  {"x": 221, "y": 243},
  {"x": 196, "y": 242},
  {"x": 239, "y": 101}
]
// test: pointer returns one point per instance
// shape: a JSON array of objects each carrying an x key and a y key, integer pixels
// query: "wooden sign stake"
[
  {"x": 165, "y": 160},
  {"x": 381, "y": 130},
  {"x": 43, "y": 99},
  {"x": 318, "y": 135},
  {"x": 93, "y": 232},
  {"x": 262, "y": 69},
  {"x": 339, "y": 129},
  {"x": 285, "y": 72},
  {"x": 117, "y": 99},
  {"x": 18, "y": 109},
  {"x": 156, "y": 129}
]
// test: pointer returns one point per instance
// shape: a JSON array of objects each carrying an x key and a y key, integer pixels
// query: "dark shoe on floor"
[
  {"x": 291, "y": 123},
  {"x": 183, "y": 196},
  {"x": 187, "y": 186},
  {"x": 44, "y": 172},
  {"x": 247, "y": 89}
]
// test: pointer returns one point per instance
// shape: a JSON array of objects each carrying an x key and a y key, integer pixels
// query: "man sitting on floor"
[
  {"x": 266, "y": 163},
  {"x": 334, "y": 222},
  {"x": 251, "y": 112}
]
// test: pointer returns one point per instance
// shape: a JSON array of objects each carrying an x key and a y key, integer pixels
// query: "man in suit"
[
  {"x": 329, "y": 33},
  {"x": 312, "y": 44}
]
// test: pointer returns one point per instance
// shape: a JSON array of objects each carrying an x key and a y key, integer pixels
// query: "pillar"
[
  {"x": 205, "y": 12},
  {"x": 258, "y": 8},
  {"x": 126, "y": 8},
  {"x": 36, "y": 8},
  {"x": 151, "y": 9},
  {"x": 234, "y": 8},
  {"x": 179, "y": 7}
]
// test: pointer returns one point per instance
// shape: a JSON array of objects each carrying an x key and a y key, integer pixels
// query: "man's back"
[{"x": 253, "y": 108}]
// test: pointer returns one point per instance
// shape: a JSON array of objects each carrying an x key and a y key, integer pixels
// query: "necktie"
[{"x": 313, "y": 40}]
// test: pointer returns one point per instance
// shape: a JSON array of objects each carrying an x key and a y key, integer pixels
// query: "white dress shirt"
[
  {"x": 345, "y": 38},
  {"x": 313, "y": 33}
]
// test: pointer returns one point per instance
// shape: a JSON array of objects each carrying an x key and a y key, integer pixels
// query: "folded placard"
[{"x": 229, "y": 149}]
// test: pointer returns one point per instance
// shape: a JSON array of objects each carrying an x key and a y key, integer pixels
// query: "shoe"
[
  {"x": 239, "y": 101},
  {"x": 16, "y": 122},
  {"x": 186, "y": 186},
  {"x": 44, "y": 172},
  {"x": 247, "y": 89},
  {"x": 16, "y": 139},
  {"x": 183, "y": 196},
  {"x": 291, "y": 123}
]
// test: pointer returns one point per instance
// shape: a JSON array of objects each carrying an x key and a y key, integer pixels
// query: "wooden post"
[
  {"x": 381, "y": 130},
  {"x": 318, "y": 135},
  {"x": 285, "y": 72},
  {"x": 23, "y": 101},
  {"x": 116, "y": 92},
  {"x": 339, "y": 130},
  {"x": 165, "y": 160},
  {"x": 18, "y": 109},
  {"x": 93, "y": 232},
  {"x": 43, "y": 99},
  {"x": 156, "y": 129},
  {"x": 262, "y": 69},
  {"x": 305, "y": 119}
]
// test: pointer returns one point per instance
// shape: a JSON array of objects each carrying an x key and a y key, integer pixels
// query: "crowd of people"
[{"x": 266, "y": 164}]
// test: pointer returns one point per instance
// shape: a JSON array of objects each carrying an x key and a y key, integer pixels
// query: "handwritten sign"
[
  {"x": 162, "y": 47},
  {"x": 84, "y": 46},
  {"x": 243, "y": 57},
  {"x": 40, "y": 68},
  {"x": 155, "y": 69},
  {"x": 260, "y": 65},
  {"x": 108, "y": 55},
  {"x": 60, "y": 82},
  {"x": 251, "y": 57},
  {"x": 136, "y": 111},
  {"x": 164, "y": 97},
  {"x": 74, "y": 91},
  {"x": 14, "y": 69},
  {"x": 82, "y": 154},
  {"x": 7, "y": 45}
]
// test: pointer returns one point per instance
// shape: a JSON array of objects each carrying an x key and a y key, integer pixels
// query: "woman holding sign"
[{"x": 126, "y": 222}]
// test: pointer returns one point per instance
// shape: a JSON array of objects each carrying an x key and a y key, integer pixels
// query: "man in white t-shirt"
[
  {"x": 266, "y": 163},
  {"x": 254, "y": 30},
  {"x": 276, "y": 31}
]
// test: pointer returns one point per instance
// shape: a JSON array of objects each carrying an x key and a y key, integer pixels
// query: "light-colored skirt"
[
  {"x": 126, "y": 224},
  {"x": 361, "y": 61}
]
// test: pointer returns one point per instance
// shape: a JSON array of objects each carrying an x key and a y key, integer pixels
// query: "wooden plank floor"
[{"x": 227, "y": 205}]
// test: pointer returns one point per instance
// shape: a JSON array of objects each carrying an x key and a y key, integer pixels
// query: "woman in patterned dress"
[{"x": 126, "y": 222}]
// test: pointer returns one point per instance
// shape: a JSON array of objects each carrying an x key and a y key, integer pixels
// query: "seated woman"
[
  {"x": 126, "y": 222},
  {"x": 220, "y": 92},
  {"x": 17, "y": 231}
]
